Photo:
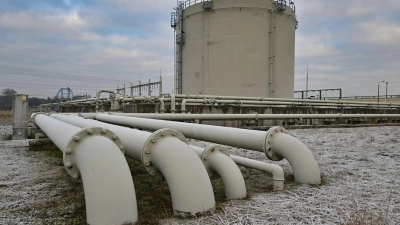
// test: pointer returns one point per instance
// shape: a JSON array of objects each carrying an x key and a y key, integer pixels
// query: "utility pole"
[{"x": 307, "y": 83}]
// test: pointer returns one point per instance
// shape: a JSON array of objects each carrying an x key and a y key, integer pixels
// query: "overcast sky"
[{"x": 97, "y": 44}]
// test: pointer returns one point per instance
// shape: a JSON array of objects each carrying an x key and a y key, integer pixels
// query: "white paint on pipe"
[
  {"x": 173, "y": 158},
  {"x": 218, "y": 163},
  {"x": 254, "y": 116},
  {"x": 97, "y": 160},
  {"x": 136, "y": 98},
  {"x": 303, "y": 163},
  {"x": 247, "y": 139},
  {"x": 98, "y": 97},
  {"x": 107, "y": 181},
  {"x": 275, "y": 170},
  {"x": 186, "y": 176}
]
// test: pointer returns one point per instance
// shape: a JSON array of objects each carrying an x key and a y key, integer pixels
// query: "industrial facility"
[
  {"x": 239, "y": 48},
  {"x": 233, "y": 88}
]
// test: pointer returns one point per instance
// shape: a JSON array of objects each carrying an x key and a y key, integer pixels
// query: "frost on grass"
[
  {"x": 361, "y": 185},
  {"x": 35, "y": 189}
]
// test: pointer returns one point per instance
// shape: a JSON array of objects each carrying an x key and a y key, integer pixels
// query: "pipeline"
[
  {"x": 135, "y": 98},
  {"x": 165, "y": 154},
  {"x": 254, "y": 116},
  {"x": 265, "y": 103},
  {"x": 275, "y": 143},
  {"x": 93, "y": 155},
  {"x": 98, "y": 97},
  {"x": 214, "y": 168},
  {"x": 305, "y": 101}
]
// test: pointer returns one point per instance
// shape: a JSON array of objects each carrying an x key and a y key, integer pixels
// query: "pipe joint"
[
  {"x": 79, "y": 137},
  {"x": 149, "y": 146},
  {"x": 268, "y": 150},
  {"x": 208, "y": 152}
]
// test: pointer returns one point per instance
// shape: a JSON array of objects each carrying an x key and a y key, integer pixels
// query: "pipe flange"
[
  {"x": 76, "y": 139},
  {"x": 147, "y": 152},
  {"x": 207, "y": 153},
  {"x": 269, "y": 152}
]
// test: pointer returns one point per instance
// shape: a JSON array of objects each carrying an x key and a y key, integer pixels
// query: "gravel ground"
[{"x": 361, "y": 185}]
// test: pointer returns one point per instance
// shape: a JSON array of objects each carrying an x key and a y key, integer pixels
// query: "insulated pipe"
[
  {"x": 164, "y": 154},
  {"x": 92, "y": 155},
  {"x": 218, "y": 163},
  {"x": 98, "y": 97},
  {"x": 247, "y": 139}
]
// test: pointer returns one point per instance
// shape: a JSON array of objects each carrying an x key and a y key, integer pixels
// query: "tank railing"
[{"x": 189, "y": 3}]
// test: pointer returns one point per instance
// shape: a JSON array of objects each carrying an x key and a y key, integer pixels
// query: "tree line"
[{"x": 6, "y": 99}]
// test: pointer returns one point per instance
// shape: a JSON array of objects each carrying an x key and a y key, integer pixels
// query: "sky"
[{"x": 89, "y": 45}]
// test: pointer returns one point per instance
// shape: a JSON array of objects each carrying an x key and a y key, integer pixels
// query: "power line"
[{"x": 75, "y": 64}]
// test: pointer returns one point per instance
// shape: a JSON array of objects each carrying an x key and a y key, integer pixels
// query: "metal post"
[
  {"x": 386, "y": 91},
  {"x": 20, "y": 120},
  {"x": 378, "y": 88}
]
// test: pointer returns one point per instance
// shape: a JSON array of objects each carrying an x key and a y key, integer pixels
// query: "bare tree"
[{"x": 8, "y": 92}]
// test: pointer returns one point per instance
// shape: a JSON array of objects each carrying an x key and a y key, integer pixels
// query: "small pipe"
[
  {"x": 98, "y": 97},
  {"x": 92, "y": 155},
  {"x": 276, "y": 171}
]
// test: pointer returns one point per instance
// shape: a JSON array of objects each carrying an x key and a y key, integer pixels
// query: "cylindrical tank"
[{"x": 235, "y": 47}]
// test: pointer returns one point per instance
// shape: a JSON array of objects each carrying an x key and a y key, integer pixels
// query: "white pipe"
[
  {"x": 135, "y": 98},
  {"x": 305, "y": 167},
  {"x": 276, "y": 171},
  {"x": 164, "y": 154},
  {"x": 92, "y": 155},
  {"x": 188, "y": 96},
  {"x": 219, "y": 164},
  {"x": 98, "y": 97},
  {"x": 255, "y": 116},
  {"x": 247, "y": 139}
]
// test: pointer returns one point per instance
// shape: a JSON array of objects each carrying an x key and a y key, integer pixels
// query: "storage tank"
[{"x": 235, "y": 47}]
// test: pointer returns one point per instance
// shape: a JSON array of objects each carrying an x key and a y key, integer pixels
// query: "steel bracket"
[
  {"x": 269, "y": 152},
  {"x": 207, "y": 154},
  {"x": 152, "y": 141},
  {"x": 76, "y": 139}
]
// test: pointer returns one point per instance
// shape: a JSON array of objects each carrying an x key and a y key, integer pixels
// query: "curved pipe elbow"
[
  {"x": 223, "y": 165},
  {"x": 281, "y": 145},
  {"x": 218, "y": 164},
  {"x": 276, "y": 171},
  {"x": 188, "y": 181},
  {"x": 107, "y": 182},
  {"x": 162, "y": 105}
]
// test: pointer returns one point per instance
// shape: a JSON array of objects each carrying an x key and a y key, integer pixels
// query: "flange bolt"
[
  {"x": 68, "y": 165},
  {"x": 68, "y": 151}
]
